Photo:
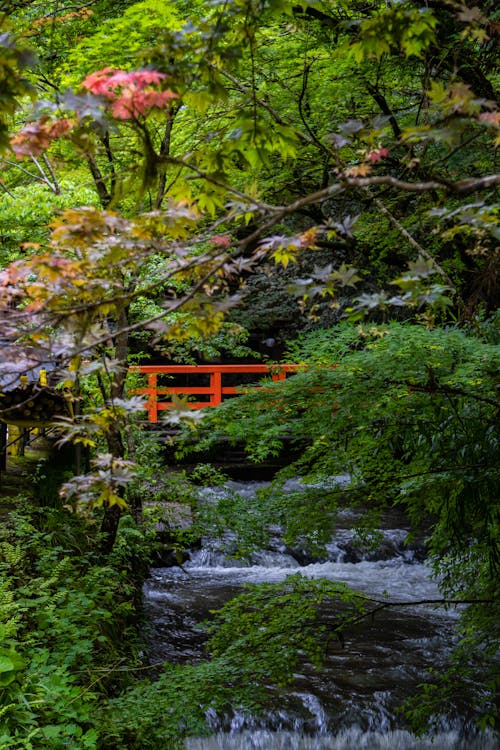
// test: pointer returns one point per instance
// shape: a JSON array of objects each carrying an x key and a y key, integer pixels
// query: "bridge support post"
[
  {"x": 152, "y": 398},
  {"x": 215, "y": 388}
]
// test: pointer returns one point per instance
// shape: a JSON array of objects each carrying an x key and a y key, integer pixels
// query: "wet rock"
[
  {"x": 166, "y": 557},
  {"x": 303, "y": 557},
  {"x": 418, "y": 551},
  {"x": 351, "y": 553},
  {"x": 386, "y": 551}
]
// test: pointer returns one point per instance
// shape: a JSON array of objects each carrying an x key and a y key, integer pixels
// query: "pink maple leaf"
[
  {"x": 221, "y": 240},
  {"x": 377, "y": 155},
  {"x": 131, "y": 94}
]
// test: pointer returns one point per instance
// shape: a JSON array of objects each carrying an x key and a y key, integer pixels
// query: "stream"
[{"x": 351, "y": 703}]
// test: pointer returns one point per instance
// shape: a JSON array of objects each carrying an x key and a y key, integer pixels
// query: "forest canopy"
[{"x": 187, "y": 181}]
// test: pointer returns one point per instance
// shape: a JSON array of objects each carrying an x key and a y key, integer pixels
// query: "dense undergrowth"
[
  {"x": 68, "y": 622},
  {"x": 73, "y": 671}
]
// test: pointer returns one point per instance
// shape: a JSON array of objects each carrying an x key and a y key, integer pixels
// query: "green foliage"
[
  {"x": 13, "y": 85},
  {"x": 286, "y": 111},
  {"x": 259, "y": 637},
  {"x": 306, "y": 517},
  {"x": 27, "y": 210},
  {"x": 412, "y": 415},
  {"x": 66, "y": 621},
  {"x": 149, "y": 463},
  {"x": 161, "y": 713},
  {"x": 280, "y": 622},
  {"x": 207, "y": 475},
  {"x": 410, "y": 30},
  {"x": 47, "y": 479},
  {"x": 424, "y": 398},
  {"x": 230, "y": 341},
  {"x": 120, "y": 41}
]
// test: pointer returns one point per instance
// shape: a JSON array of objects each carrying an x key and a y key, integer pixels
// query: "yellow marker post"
[{"x": 15, "y": 440}]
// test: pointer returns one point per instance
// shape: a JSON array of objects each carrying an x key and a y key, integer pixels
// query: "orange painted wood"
[
  {"x": 187, "y": 369},
  {"x": 216, "y": 387},
  {"x": 215, "y": 391},
  {"x": 152, "y": 397}
]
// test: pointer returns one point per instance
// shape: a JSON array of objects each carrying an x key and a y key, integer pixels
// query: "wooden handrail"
[{"x": 215, "y": 391}]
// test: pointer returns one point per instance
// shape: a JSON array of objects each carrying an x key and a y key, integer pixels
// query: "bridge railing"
[{"x": 159, "y": 396}]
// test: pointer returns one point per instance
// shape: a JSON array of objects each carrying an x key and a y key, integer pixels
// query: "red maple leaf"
[
  {"x": 377, "y": 155},
  {"x": 36, "y": 137},
  {"x": 221, "y": 240},
  {"x": 131, "y": 94}
]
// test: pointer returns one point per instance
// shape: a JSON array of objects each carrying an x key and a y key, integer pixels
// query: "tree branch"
[
  {"x": 449, "y": 390},
  {"x": 100, "y": 185},
  {"x": 164, "y": 154},
  {"x": 380, "y": 99},
  {"x": 111, "y": 162},
  {"x": 41, "y": 177},
  {"x": 413, "y": 242},
  {"x": 50, "y": 169},
  {"x": 419, "y": 602}
]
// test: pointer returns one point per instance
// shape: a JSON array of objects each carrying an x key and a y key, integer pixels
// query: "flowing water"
[{"x": 351, "y": 703}]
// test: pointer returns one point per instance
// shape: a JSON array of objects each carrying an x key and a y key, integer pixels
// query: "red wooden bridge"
[{"x": 212, "y": 389}]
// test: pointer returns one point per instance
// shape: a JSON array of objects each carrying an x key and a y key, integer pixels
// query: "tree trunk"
[
  {"x": 116, "y": 447},
  {"x": 109, "y": 528}
]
